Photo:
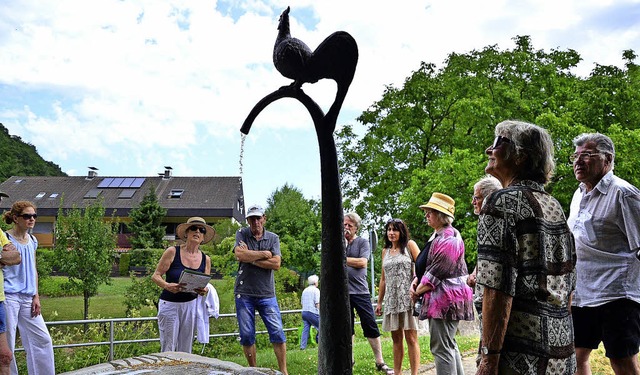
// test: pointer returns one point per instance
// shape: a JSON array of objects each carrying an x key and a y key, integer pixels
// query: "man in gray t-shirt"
[
  {"x": 258, "y": 253},
  {"x": 358, "y": 253}
]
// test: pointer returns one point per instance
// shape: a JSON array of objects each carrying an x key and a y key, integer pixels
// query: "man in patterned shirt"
[{"x": 526, "y": 261}]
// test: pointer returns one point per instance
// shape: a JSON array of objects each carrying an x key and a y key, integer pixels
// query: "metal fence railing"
[{"x": 112, "y": 342}]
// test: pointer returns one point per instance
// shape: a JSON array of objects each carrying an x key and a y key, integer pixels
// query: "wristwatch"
[{"x": 486, "y": 351}]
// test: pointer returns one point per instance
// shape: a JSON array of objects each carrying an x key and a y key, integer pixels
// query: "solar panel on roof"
[
  {"x": 137, "y": 182},
  {"x": 126, "y": 182},
  {"x": 105, "y": 182},
  {"x": 116, "y": 182},
  {"x": 121, "y": 182}
]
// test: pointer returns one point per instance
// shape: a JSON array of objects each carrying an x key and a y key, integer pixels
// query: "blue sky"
[{"x": 132, "y": 86}]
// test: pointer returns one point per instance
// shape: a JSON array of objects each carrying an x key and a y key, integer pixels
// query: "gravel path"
[{"x": 468, "y": 361}]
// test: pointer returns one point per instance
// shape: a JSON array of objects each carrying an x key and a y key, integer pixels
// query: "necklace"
[{"x": 23, "y": 239}]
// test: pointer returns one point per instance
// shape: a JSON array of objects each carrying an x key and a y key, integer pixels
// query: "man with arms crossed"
[
  {"x": 258, "y": 253},
  {"x": 605, "y": 222}
]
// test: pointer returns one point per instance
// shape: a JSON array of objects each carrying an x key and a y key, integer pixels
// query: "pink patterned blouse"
[{"x": 450, "y": 297}]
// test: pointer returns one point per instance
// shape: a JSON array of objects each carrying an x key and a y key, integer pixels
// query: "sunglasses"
[
  {"x": 498, "y": 141},
  {"x": 195, "y": 228},
  {"x": 28, "y": 216},
  {"x": 394, "y": 221}
]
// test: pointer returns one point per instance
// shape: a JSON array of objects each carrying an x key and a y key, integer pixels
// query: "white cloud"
[{"x": 136, "y": 85}]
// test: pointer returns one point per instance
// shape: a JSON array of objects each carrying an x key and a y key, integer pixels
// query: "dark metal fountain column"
[{"x": 335, "y": 58}]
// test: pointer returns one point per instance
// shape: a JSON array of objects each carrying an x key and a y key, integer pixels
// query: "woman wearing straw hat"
[
  {"x": 446, "y": 297},
  {"x": 177, "y": 309}
]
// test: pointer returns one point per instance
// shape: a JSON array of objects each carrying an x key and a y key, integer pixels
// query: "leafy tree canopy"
[
  {"x": 430, "y": 135},
  {"x": 297, "y": 221}
]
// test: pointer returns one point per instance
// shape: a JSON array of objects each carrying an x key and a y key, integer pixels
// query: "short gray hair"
[
  {"x": 487, "y": 185},
  {"x": 533, "y": 145},
  {"x": 603, "y": 143},
  {"x": 355, "y": 218}
]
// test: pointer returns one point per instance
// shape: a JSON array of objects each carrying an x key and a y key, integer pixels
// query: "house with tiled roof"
[{"x": 212, "y": 198}]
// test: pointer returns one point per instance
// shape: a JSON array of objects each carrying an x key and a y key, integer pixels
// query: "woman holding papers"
[{"x": 177, "y": 306}]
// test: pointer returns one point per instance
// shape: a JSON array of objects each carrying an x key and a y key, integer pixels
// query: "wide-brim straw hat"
[
  {"x": 442, "y": 203},
  {"x": 181, "y": 230}
]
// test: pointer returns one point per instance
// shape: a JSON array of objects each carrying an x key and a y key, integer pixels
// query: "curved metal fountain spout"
[{"x": 335, "y": 58}]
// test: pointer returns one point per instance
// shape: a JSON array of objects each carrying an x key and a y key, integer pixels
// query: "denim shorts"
[
  {"x": 269, "y": 312},
  {"x": 3, "y": 318}
]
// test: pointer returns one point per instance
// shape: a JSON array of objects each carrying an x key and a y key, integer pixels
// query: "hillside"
[{"x": 22, "y": 159}]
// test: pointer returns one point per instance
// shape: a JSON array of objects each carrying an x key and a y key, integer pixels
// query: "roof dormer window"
[{"x": 176, "y": 193}]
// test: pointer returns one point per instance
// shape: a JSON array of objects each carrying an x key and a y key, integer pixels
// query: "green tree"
[
  {"x": 146, "y": 227},
  {"x": 297, "y": 221},
  {"x": 84, "y": 248},
  {"x": 430, "y": 134},
  {"x": 223, "y": 259}
]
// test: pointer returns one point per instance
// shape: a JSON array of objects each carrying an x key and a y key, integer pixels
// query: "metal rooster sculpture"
[
  {"x": 335, "y": 58},
  {"x": 291, "y": 56}
]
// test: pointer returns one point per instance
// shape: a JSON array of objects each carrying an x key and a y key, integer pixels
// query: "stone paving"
[
  {"x": 171, "y": 363},
  {"x": 468, "y": 363}
]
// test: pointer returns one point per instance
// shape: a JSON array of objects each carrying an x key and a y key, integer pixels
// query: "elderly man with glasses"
[{"x": 606, "y": 226}]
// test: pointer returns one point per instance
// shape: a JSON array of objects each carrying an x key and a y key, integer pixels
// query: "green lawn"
[{"x": 109, "y": 303}]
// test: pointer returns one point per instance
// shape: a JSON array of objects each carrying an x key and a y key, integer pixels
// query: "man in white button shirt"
[{"x": 605, "y": 221}]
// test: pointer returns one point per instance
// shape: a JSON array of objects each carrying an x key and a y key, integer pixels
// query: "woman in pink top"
[{"x": 446, "y": 297}]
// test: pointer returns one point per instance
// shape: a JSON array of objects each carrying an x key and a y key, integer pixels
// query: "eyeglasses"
[
  {"x": 475, "y": 198},
  {"x": 498, "y": 141},
  {"x": 582, "y": 156},
  {"x": 195, "y": 228},
  {"x": 28, "y": 216}
]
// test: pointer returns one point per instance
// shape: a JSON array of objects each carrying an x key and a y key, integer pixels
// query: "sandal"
[{"x": 383, "y": 367}]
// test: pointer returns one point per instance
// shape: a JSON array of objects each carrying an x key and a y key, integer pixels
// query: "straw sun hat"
[
  {"x": 442, "y": 203},
  {"x": 181, "y": 230}
]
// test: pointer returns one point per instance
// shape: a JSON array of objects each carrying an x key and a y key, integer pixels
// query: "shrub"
[
  {"x": 44, "y": 262},
  {"x": 223, "y": 259},
  {"x": 57, "y": 287},
  {"x": 80, "y": 357},
  {"x": 123, "y": 267},
  {"x": 142, "y": 292},
  {"x": 145, "y": 258}
]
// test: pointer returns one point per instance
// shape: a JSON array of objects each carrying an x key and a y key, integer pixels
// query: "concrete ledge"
[{"x": 177, "y": 363}]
